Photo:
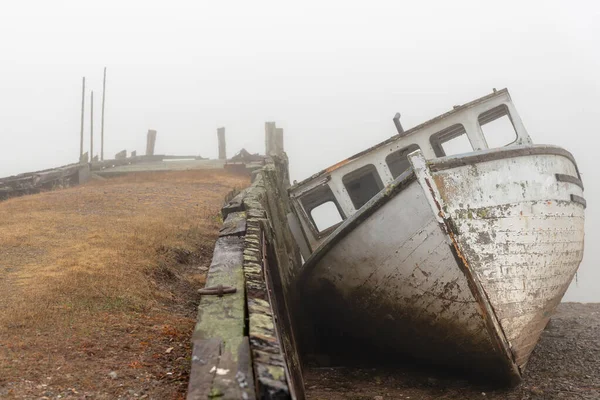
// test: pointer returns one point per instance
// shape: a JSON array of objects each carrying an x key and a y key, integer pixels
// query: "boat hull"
[
  {"x": 459, "y": 264},
  {"x": 520, "y": 225}
]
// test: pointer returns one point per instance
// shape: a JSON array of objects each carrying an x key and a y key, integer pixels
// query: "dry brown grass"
[{"x": 102, "y": 278}]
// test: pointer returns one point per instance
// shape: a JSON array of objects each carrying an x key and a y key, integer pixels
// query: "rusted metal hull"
[{"x": 459, "y": 262}]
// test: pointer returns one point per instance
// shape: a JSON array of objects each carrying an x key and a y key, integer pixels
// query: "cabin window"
[
  {"x": 362, "y": 184},
  {"x": 497, "y": 127},
  {"x": 322, "y": 208},
  {"x": 325, "y": 216},
  {"x": 398, "y": 162},
  {"x": 450, "y": 141}
]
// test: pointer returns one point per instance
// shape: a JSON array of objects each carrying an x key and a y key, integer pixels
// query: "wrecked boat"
[{"x": 452, "y": 242}]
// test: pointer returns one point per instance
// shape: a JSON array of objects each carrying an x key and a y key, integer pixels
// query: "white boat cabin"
[{"x": 323, "y": 201}]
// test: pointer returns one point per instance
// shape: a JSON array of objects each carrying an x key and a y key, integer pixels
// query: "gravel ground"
[{"x": 564, "y": 365}]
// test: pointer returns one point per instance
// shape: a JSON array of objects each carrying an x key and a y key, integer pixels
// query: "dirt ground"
[
  {"x": 98, "y": 285},
  {"x": 564, "y": 365},
  {"x": 98, "y": 301}
]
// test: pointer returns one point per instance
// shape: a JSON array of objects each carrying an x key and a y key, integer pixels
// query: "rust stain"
[
  {"x": 477, "y": 291},
  {"x": 336, "y": 166},
  {"x": 443, "y": 189}
]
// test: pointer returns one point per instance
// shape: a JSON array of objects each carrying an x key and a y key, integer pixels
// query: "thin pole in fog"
[
  {"x": 102, "y": 120},
  {"x": 82, "y": 117},
  {"x": 92, "y": 127}
]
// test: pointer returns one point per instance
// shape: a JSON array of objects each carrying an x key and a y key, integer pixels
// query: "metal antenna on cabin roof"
[{"x": 396, "y": 120}]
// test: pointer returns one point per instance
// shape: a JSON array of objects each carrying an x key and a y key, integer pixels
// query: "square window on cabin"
[
  {"x": 497, "y": 127},
  {"x": 322, "y": 208},
  {"x": 450, "y": 141},
  {"x": 325, "y": 216},
  {"x": 362, "y": 184},
  {"x": 398, "y": 162}
]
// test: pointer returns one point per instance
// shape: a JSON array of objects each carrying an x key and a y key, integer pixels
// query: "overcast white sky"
[{"x": 332, "y": 74}]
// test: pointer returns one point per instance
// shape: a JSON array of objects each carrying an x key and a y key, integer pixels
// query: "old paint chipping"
[
  {"x": 366, "y": 289},
  {"x": 493, "y": 326},
  {"x": 538, "y": 242}
]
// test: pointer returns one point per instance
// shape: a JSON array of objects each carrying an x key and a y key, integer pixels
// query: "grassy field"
[{"x": 98, "y": 284}]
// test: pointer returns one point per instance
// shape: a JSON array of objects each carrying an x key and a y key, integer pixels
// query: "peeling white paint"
[{"x": 518, "y": 241}]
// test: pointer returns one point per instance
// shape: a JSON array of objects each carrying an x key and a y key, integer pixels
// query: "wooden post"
[
  {"x": 102, "y": 120},
  {"x": 273, "y": 139},
  {"x": 92, "y": 127},
  {"x": 222, "y": 148},
  {"x": 269, "y": 138},
  {"x": 279, "y": 140},
  {"x": 82, "y": 116},
  {"x": 150, "y": 142}
]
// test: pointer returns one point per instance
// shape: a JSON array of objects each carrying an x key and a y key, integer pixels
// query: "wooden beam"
[
  {"x": 102, "y": 118},
  {"x": 82, "y": 118},
  {"x": 92, "y": 127},
  {"x": 221, "y": 319}
]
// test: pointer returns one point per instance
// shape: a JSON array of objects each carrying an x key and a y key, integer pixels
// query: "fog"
[{"x": 332, "y": 74}]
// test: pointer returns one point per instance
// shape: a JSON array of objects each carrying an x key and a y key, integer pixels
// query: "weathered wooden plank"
[
  {"x": 213, "y": 375},
  {"x": 245, "y": 375},
  {"x": 267, "y": 358},
  {"x": 44, "y": 177},
  {"x": 234, "y": 379},
  {"x": 277, "y": 370},
  {"x": 225, "y": 385},
  {"x": 272, "y": 383},
  {"x": 283, "y": 329},
  {"x": 205, "y": 358},
  {"x": 234, "y": 225},
  {"x": 253, "y": 366},
  {"x": 236, "y": 204},
  {"x": 223, "y": 378},
  {"x": 222, "y": 318}
]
